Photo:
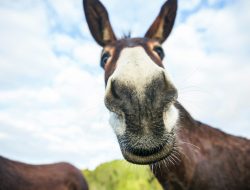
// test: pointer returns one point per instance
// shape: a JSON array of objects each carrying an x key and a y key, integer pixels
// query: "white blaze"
[{"x": 135, "y": 68}]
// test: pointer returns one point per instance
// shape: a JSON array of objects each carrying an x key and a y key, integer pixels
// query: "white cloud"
[
  {"x": 66, "y": 14},
  {"x": 25, "y": 51},
  {"x": 88, "y": 53},
  {"x": 3, "y": 135},
  {"x": 189, "y": 4}
]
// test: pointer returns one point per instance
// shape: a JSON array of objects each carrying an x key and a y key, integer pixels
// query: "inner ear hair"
[
  {"x": 98, "y": 22},
  {"x": 163, "y": 24}
]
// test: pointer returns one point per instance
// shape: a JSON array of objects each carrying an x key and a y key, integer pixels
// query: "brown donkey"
[
  {"x": 60, "y": 176},
  {"x": 151, "y": 125}
]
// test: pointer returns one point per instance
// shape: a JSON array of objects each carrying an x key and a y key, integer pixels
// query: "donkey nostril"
[
  {"x": 113, "y": 96},
  {"x": 114, "y": 90}
]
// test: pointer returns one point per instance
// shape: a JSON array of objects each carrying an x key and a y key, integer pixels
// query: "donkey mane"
[{"x": 126, "y": 35}]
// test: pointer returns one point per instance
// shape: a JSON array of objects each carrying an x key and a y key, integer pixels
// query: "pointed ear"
[
  {"x": 98, "y": 22},
  {"x": 163, "y": 24}
]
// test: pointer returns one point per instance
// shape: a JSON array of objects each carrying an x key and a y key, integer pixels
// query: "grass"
[{"x": 121, "y": 175}]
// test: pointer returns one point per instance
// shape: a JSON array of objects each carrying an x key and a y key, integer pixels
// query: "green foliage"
[{"x": 121, "y": 175}]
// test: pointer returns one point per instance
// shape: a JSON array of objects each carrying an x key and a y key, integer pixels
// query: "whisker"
[
  {"x": 176, "y": 157},
  {"x": 165, "y": 164},
  {"x": 170, "y": 160},
  {"x": 194, "y": 146},
  {"x": 181, "y": 152}
]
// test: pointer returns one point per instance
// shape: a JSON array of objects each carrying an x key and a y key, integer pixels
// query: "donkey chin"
[{"x": 145, "y": 130}]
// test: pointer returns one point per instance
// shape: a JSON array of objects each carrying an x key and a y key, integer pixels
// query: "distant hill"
[{"x": 121, "y": 175}]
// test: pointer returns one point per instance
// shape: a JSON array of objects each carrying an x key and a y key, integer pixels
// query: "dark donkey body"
[
  {"x": 150, "y": 124},
  {"x": 209, "y": 159},
  {"x": 20, "y": 176}
]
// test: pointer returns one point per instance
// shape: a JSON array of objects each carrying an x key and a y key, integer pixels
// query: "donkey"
[
  {"x": 151, "y": 126},
  {"x": 20, "y": 176}
]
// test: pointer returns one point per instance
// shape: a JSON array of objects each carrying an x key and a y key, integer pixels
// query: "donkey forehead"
[{"x": 131, "y": 42}]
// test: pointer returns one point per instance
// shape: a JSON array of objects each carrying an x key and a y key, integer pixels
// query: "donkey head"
[{"x": 139, "y": 93}]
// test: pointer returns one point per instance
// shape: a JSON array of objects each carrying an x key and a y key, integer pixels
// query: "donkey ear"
[
  {"x": 98, "y": 22},
  {"x": 163, "y": 24}
]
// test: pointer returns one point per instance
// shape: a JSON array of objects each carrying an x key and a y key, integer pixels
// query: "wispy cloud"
[{"x": 51, "y": 85}]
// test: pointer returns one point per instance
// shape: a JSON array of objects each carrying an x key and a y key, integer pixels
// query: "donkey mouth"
[
  {"x": 146, "y": 140},
  {"x": 145, "y": 152},
  {"x": 147, "y": 156}
]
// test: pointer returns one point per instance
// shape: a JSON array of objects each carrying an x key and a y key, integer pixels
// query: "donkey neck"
[{"x": 207, "y": 157}]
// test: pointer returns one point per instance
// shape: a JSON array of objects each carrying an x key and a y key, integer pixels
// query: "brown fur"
[
  {"x": 209, "y": 159},
  {"x": 20, "y": 176},
  {"x": 163, "y": 24},
  {"x": 101, "y": 28}
]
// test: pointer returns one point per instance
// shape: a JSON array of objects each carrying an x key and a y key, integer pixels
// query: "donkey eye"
[
  {"x": 159, "y": 51},
  {"x": 104, "y": 59}
]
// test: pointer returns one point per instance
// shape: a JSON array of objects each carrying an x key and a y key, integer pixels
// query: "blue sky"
[{"x": 52, "y": 88}]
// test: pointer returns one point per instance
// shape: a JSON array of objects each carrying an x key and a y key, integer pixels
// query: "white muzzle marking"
[{"x": 136, "y": 69}]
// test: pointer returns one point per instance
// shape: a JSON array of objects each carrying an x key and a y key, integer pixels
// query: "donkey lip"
[
  {"x": 144, "y": 157},
  {"x": 146, "y": 152}
]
